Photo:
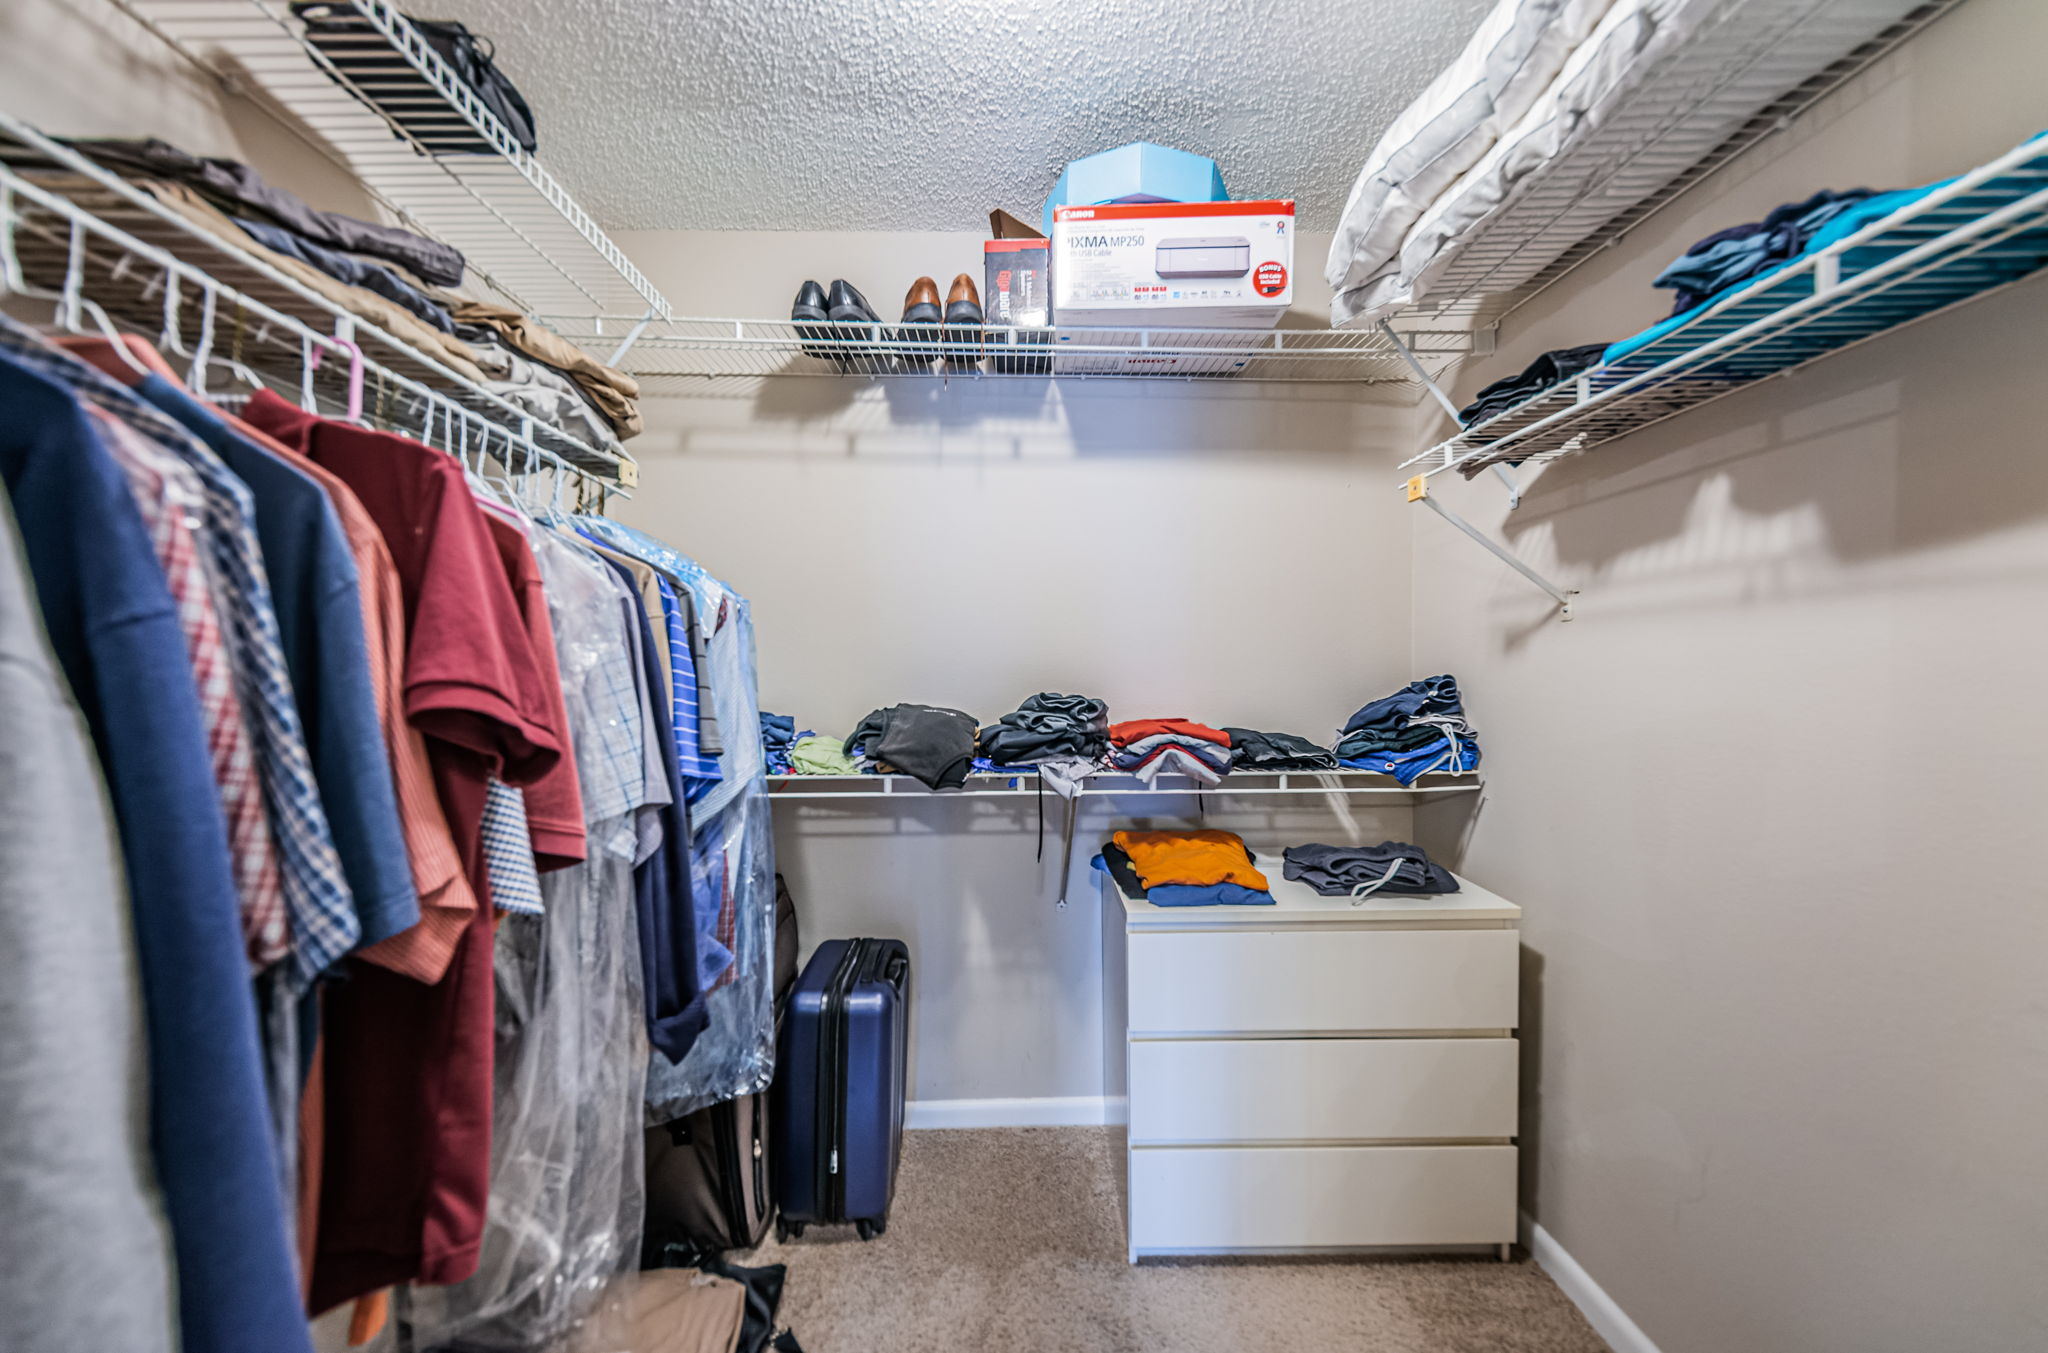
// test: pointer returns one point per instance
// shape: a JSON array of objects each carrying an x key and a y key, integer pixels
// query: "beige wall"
[
  {"x": 1772, "y": 800},
  {"x": 1224, "y": 553},
  {"x": 85, "y": 68}
]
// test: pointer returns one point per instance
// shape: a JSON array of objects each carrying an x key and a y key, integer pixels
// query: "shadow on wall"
[
  {"x": 1529, "y": 1124},
  {"x": 1015, "y": 418},
  {"x": 1913, "y": 442}
]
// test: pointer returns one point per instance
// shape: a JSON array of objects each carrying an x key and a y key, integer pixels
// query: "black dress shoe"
[
  {"x": 853, "y": 319},
  {"x": 810, "y": 305},
  {"x": 920, "y": 309}
]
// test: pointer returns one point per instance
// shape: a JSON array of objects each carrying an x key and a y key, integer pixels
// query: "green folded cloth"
[{"x": 816, "y": 755}]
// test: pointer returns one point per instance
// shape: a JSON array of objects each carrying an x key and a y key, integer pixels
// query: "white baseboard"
[
  {"x": 1602, "y": 1312},
  {"x": 1076, "y": 1111}
]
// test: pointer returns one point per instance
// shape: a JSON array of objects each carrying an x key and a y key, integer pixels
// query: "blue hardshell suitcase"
[{"x": 839, "y": 1087}]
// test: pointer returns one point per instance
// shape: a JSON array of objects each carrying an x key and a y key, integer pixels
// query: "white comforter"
[{"x": 1641, "y": 77}]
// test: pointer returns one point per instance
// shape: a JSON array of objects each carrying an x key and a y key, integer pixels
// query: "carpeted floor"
[{"x": 1012, "y": 1239}]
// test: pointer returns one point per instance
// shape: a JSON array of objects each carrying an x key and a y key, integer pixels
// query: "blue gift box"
[{"x": 1138, "y": 172}]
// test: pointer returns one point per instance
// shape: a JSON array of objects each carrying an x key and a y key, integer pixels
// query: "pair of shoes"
[
  {"x": 959, "y": 321},
  {"x": 854, "y": 321},
  {"x": 840, "y": 325}
]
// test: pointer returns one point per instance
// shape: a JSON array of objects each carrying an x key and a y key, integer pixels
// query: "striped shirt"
[{"x": 691, "y": 762}]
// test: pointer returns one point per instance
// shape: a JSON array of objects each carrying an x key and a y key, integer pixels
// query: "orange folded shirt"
[{"x": 1198, "y": 858}]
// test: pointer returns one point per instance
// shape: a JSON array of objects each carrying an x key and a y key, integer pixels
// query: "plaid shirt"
[
  {"x": 324, "y": 925},
  {"x": 508, "y": 851},
  {"x": 171, "y": 502}
]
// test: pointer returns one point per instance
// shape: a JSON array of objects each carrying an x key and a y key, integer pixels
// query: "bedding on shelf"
[{"x": 1645, "y": 70}]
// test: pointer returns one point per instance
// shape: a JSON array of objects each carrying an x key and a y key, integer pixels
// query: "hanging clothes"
[
  {"x": 114, "y": 626},
  {"x": 565, "y": 1207},
  {"x": 86, "y": 1260},
  {"x": 407, "y": 1139}
]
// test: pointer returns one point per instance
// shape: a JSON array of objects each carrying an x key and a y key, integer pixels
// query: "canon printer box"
[
  {"x": 1145, "y": 267},
  {"x": 1196, "y": 265}
]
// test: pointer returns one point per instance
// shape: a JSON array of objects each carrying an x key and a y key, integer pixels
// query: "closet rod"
[{"x": 80, "y": 223}]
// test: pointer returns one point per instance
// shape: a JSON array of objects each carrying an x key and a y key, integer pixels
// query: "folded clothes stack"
[
  {"x": 614, "y": 393},
  {"x": 1418, "y": 729},
  {"x": 238, "y": 189},
  {"x": 1149, "y": 748},
  {"x": 1253, "y": 750},
  {"x": 931, "y": 744},
  {"x": 1556, "y": 365},
  {"x": 1185, "y": 869},
  {"x": 815, "y": 755},
  {"x": 538, "y": 388},
  {"x": 1062, "y": 737},
  {"x": 1045, "y": 726},
  {"x": 1728, "y": 257},
  {"x": 1361, "y": 871},
  {"x": 778, "y": 740},
  {"x": 382, "y": 274}
]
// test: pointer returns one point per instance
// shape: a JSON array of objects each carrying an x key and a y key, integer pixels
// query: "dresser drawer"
[
  {"x": 1318, "y": 981},
  {"x": 1203, "y": 1200},
  {"x": 1321, "y": 1089}
]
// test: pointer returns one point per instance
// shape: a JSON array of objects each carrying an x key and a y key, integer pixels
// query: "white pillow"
[{"x": 1508, "y": 64}]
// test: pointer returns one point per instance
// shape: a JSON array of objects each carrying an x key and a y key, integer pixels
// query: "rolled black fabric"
[
  {"x": 1253, "y": 750},
  {"x": 1553, "y": 366},
  {"x": 1120, "y": 869},
  {"x": 930, "y": 743},
  {"x": 1389, "y": 867}
]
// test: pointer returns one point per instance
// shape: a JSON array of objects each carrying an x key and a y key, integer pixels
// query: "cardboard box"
[
  {"x": 1138, "y": 172},
  {"x": 1193, "y": 265},
  {"x": 1017, "y": 290}
]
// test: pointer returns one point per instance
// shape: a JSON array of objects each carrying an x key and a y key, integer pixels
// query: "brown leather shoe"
[
  {"x": 963, "y": 301},
  {"x": 921, "y": 302}
]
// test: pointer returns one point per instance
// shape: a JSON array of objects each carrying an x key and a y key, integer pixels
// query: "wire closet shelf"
[
  {"x": 1010, "y": 785},
  {"x": 1976, "y": 234},
  {"x": 84, "y": 235},
  {"x": 418, "y": 139},
  {"x": 1742, "y": 79},
  {"x": 674, "y": 355}
]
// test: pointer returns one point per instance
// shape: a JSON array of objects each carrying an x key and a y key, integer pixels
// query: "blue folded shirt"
[{"x": 1207, "y": 895}]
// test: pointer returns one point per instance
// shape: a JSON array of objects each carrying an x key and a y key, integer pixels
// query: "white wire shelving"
[
  {"x": 672, "y": 355},
  {"x": 1331, "y": 784},
  {"x": 1974, "y": 235},
  {"x": 1739, "y": 80},
  {"x": 524, "y": 236},
  {"x": 101, "y": 247}
]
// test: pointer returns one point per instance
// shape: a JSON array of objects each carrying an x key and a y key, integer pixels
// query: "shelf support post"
[
  {"x": 1415, "y": 365},
  {"x": 1514, "y": 489},
  {"x": 632, "y": 337},
  {"x": 1418, "y": 491}
]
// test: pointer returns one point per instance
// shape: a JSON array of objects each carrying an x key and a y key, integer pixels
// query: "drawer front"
[
  {"x": 1311, "y": 981},
  {"x": 1309, "y": 1197},
  {"x": 1321, "y": 1089}
]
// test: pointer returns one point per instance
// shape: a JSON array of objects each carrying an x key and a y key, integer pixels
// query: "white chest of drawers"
[{"x": 1313, "y": 1075}]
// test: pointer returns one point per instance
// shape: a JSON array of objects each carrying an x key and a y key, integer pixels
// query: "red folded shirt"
[{"x": 1123, "y": 734}]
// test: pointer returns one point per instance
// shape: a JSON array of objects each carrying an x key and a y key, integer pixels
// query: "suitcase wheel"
[
  {"x": 870, "y": 1229},
  {"x": 788, "y": 1230}
]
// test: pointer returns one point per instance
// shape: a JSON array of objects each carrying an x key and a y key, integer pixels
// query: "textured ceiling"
[{"x": 924, "y": 114}]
